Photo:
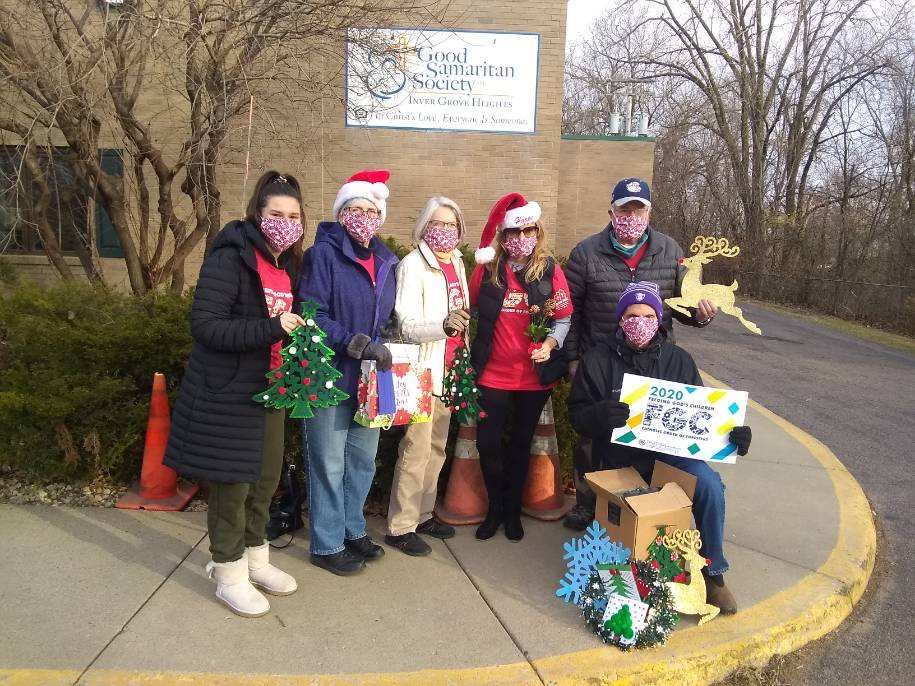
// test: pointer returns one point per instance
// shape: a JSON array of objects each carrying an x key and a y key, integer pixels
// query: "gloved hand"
[
  {"x": 361, "y": 347},
  {"x": 380, "y": 353},
  {"x": 741, "y": 436},
  {"x": 617, "y": 413},
  {"x": 456, "y": 322}
]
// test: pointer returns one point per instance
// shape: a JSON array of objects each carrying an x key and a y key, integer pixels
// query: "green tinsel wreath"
[{"x": 662, "y": 615}]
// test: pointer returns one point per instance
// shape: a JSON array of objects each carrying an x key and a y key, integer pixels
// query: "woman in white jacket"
[{"x": 431, "y": 310}]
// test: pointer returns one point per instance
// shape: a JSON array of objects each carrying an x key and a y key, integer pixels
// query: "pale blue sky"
[{"x": 581, "y": 14}]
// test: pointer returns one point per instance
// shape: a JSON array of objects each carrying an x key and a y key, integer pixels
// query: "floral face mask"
[
  {"x": 360, "y": 226},
  {"x": 281, "y": 232},
  {"x": 519, "y": 246},
  {"x": 441, "y": 238},
  {"x": 640, "y": 330},
  {"x": 629, "y": 227}
]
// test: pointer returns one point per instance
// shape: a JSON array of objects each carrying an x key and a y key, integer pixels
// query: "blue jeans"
[
  {"x": 708, "y": 509},
  {"x": 340, "y": 463}
]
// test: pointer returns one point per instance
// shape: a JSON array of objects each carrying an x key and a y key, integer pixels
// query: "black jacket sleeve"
[
  {"x": 212, "y": 323},
  {"x": 589, "y": 398},
  {"x": 575, "y": 271}
]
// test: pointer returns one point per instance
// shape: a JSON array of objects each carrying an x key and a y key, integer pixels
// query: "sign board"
[
  {"x": 681, "y": 420},
  {"x": 442, "y": 80}
]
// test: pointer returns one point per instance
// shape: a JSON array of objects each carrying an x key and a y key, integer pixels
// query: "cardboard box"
[{"x": 634, "y": 520}]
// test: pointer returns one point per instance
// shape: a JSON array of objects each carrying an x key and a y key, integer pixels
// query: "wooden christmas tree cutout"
[{"x": 692, "y": 290}]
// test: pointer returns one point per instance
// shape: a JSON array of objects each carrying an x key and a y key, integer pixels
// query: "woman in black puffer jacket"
[{"x": 240, "y": 316}]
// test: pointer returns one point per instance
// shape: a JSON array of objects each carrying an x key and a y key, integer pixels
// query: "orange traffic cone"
[
  {"x": 542, "y": 497},
  {"x": 465, "y": 500},
  {"x": 158, "y": 487}
]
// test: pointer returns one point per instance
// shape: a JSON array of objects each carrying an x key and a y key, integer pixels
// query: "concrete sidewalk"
[{"x": 105, "y": 597}]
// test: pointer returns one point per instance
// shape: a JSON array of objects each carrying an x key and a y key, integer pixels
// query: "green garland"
[{"x": 662, "y": 616}]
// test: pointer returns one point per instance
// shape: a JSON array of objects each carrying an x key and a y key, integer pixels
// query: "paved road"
[{"x": 858, "y": 398}]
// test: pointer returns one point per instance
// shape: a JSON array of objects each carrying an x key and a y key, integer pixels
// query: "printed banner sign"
[
  {"x": 681, "y": 420},
  {"x": 442, "y": 80}
]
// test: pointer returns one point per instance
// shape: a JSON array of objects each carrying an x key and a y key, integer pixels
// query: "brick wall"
[{"x": 569, "y": 178}]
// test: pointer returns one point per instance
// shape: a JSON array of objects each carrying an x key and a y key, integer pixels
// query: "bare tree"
[{"x": 169, "y": 82}]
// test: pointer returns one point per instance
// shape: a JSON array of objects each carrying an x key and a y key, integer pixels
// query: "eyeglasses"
[
  {"x": 358, "y": 212},
  {"x": 435, "y": 224},
  {"x": 524, "y": 231}
]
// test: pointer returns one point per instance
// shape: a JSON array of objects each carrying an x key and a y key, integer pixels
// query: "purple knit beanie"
[{"x": 641, "y": 292}]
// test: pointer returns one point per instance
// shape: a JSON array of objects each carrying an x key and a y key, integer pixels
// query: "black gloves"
[
  {"x": 741, "y": 436},
  {"x": 380, "y": 353},
  {"x": 456, "y": 322},
  {"x": 616, "y": 413},
  {"x": 361, "y": 347}
]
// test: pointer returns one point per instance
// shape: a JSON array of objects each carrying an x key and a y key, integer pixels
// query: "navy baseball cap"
[{"x": 631, "y": 189}]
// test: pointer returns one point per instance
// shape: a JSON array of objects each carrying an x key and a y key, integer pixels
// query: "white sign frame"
[
  {"x": 403, "y": 105},
  {"x": 682, "y": 420}
]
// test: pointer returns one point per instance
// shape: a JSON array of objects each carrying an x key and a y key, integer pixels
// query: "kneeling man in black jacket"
[{"x": 640, "y": 347}]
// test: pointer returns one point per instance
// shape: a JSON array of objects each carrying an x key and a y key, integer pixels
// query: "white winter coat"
[{"x": 421, "y": 306}]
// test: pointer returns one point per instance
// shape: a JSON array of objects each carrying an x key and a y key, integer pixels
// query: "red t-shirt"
[
  {"x": 369, "y": 265},
  {"x": 277, "y": 295},
  {"x": 455, "y": 302},
  {"x": 509, "y": 366},
  {"x": 633, "y": 262}
]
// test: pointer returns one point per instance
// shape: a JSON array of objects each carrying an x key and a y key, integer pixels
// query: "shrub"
[{"x": 76, "y": 368}]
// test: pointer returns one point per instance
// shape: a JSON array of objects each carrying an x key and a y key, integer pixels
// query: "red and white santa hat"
[
  {"x": 369, "y": 184},
  {"x": 511, "y": 211}
]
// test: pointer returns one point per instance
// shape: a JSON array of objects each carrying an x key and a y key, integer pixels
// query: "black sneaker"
[
  {"x": 490, "y": 525},
  {"x": 365, "y": 547},
  {"x": 409, "y": 543},
  {"x": 342, "y": 563},
  {"x": 578, "y": 518},
  {"x": 513, "y": 529},
  {"x": 433, "y": 527}
]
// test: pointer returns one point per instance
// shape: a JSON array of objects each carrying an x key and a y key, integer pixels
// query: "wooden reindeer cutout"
[
  {"x": 693, "y": 290},
  {"x": 689, "y": 599}
]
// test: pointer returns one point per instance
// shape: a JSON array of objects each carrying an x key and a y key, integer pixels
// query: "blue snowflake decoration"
[{"x": 583, "y": 554}]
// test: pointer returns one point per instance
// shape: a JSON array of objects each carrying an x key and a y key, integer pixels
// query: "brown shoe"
[{"x": 721, "y": 597}]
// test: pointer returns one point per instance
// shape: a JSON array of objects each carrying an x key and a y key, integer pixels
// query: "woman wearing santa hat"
[
  {"x": 524, "y": 308},
  {"x": 350, "y": 274}
]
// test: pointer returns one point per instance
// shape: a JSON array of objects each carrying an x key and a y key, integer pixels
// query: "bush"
[{"x": 76, "y": 368}]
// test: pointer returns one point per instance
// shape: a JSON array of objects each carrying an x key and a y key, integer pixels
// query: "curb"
[{"x": 783, "y": 623}]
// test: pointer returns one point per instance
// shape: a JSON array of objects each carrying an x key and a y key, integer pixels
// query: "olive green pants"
[{"x": 237, "y": 513}]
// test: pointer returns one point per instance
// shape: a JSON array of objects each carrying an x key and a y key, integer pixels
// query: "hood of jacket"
[
  {"x": 244, "y": 236},
  {"x": 333, "y": 233}
]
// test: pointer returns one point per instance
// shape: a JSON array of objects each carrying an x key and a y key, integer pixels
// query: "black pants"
[{"x": 505, "y": 468}]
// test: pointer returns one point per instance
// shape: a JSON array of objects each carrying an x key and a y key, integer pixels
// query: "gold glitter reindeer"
[
  {"x": 689, "y": 599},
  {"x": 693, "y": 290}
]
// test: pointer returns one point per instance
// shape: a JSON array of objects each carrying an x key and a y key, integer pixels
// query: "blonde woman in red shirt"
[{"x": 524, "y": 308}]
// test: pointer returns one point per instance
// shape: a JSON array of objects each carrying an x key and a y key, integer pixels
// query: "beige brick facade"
[{"x": 571, "y": 179}]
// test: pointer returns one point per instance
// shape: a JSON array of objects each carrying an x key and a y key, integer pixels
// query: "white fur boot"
[
  {"x": 235, "y": 590},
  {"x": 265, "y": 576}
]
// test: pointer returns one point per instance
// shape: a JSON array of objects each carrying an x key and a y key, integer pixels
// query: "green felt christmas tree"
[
  {"x": 667, "y": 566},
  {"x": 619, "y": 586},
  {"x": 621, "y": 623},
  {"x": 459, "y": 388},
  {"x": 306, "y": 378}
]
